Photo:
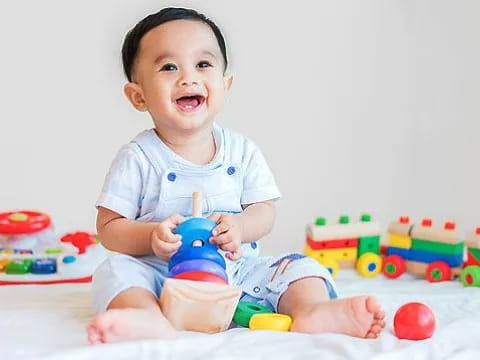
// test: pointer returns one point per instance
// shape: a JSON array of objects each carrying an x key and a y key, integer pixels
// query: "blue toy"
[
  {"x": 197, "y": 254},
  {"x": 195, "y": 234}
]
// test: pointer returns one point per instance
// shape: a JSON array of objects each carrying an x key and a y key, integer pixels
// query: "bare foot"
[
  {"x": 359, "y": 316},
  {"x": 129, "y": 324}
]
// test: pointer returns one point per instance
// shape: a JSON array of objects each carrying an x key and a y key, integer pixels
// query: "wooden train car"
[
  {"x": 345, "y": 244},
  {"x": 438, "y": 253}
]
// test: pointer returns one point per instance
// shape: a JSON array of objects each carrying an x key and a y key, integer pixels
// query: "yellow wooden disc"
[{"x": 278, "y": 322}]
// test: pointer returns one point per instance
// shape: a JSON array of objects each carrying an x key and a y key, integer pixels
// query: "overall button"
[
  {"x": 171, "y": 176},
  {"x": 231, "y": 170},
  {"x": 256, "y": 289}
]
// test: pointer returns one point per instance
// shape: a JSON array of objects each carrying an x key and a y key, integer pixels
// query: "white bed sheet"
[{"x": 49, "y": 322}]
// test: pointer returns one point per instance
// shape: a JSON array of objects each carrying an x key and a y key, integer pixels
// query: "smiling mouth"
[{"x": 189, "y": 103}]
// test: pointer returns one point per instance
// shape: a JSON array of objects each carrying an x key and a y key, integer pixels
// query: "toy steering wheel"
[{"x": 23, "y": 222}]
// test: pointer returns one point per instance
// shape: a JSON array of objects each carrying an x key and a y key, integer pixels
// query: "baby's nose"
[{"x": 187, "y": 82}]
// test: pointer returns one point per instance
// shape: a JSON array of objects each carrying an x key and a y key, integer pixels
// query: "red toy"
[{"x": 414, "y": 321}]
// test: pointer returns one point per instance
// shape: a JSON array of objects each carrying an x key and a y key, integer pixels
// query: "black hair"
[{"x": 131, "y": 44}]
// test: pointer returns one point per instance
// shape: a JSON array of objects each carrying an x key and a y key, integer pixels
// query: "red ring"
[
  {"x": 201, "y": 276},
  {"x": 36, "y": 221}
]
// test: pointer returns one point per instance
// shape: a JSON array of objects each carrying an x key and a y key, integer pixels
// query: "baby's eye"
[
  {"x": 168, "y": 67},
  {"x": 204, "y": 64}
]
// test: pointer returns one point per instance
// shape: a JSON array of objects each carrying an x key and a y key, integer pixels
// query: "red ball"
[{"x": 414, "y": 321}]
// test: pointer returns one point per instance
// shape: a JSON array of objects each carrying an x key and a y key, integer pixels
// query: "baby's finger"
[
  {"x": 230, "y": 246},
  {"x": 174, "y": 220},
  {"x": 215, "y": 217},
  {"x": 221, "y": 228},
  {"x": 221, "y": 239},
  {"x": 172, "y": 238},
  {"x": 235, "y": 255},
  {"x": 169, "y": 248},
  {"x": 166, "y": 235}
]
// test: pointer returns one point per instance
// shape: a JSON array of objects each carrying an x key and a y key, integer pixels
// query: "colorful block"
[
  {"x": 400, "y": 227},
  {"x": 425, "y": 256},
  {"x": 335, "y": 254},
  {"x": 427, "y": 232},
  {"x": 369, "y": 244},
  {"x": 19, "y": 266},
  {"x": 473, "y": 240},
  {"x": 344, "y": 229},
  {"x": 473, "y": 256},
  {"x": 331, "y": 244},
  {"x": 437, "y": 247},
  {"x": 400, "y": 241}
]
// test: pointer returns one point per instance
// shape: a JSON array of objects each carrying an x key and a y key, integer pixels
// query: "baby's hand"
[
  {"x": 228, "y": 234},
  {"x": 164, "y": 242}
]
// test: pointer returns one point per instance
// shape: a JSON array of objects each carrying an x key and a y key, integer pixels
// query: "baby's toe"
[
  {"x": 379, "y": 315},
  {"x": 93, "y": 334},
  {"x": 372, "y": 305},
  {"x": 381, "y": 323},
  {"x": 376, "y": 329}
]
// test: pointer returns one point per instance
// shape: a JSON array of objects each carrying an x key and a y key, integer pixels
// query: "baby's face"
[{"x": 179, "y": 76}]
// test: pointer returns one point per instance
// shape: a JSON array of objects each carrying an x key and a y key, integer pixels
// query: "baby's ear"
[
  {"x": 134, "y": 93},
  {"x": 227, "y": 81}
]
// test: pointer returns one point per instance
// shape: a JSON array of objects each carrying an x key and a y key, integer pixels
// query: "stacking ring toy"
[
  {"x": 196, "y": 233},
  {"x": 198, "y": 265},
  {"x": 277, "y": 322},
  {"x": 23, "y": 222},
  {"x": 245, "y": 310}
]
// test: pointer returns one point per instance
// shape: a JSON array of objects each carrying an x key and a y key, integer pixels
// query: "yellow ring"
[
  {"x": 369, "y": 265},
  {"x": 278, "y": 322}
]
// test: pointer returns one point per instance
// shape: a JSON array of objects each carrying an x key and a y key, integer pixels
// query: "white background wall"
[{"x": 358, "y": 105}]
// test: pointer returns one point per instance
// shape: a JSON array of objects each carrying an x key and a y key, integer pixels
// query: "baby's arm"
[
  {"x": 131, "y": 237},
  {"x": 253, "y": 223}
]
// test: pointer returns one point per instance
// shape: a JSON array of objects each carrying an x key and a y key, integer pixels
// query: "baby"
[{"x": 176, "y": 64}]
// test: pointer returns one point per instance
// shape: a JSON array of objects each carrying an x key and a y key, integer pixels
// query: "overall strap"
[{"x": 154, "y": 150}]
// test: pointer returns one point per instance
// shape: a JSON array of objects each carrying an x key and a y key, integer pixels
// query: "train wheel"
[
  {"x": 471, "y": 276},
  {"x": 393, "y": 266},
  {"x": 331, "y": 265},
  {"x": 438, "y": 271},
  {"x": 369, "y": 265}
]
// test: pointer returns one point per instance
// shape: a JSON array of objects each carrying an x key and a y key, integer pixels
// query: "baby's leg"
[
  {"x": 308, "y": 302},
  {"x": 133, "y": 314}
]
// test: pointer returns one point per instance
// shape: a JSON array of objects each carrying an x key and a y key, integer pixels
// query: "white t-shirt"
[{"x": 148, "y": 181}]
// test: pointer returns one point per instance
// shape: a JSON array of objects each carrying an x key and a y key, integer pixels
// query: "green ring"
[{"x": 245, "y": 310}]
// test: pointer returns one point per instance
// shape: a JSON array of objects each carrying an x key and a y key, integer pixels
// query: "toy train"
[
  {"x": 30, "y": 253},
  {"x": 439, "y": 254}
]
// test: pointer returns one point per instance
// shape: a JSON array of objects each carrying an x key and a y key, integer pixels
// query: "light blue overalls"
[{"x": 262, "y": 279}]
